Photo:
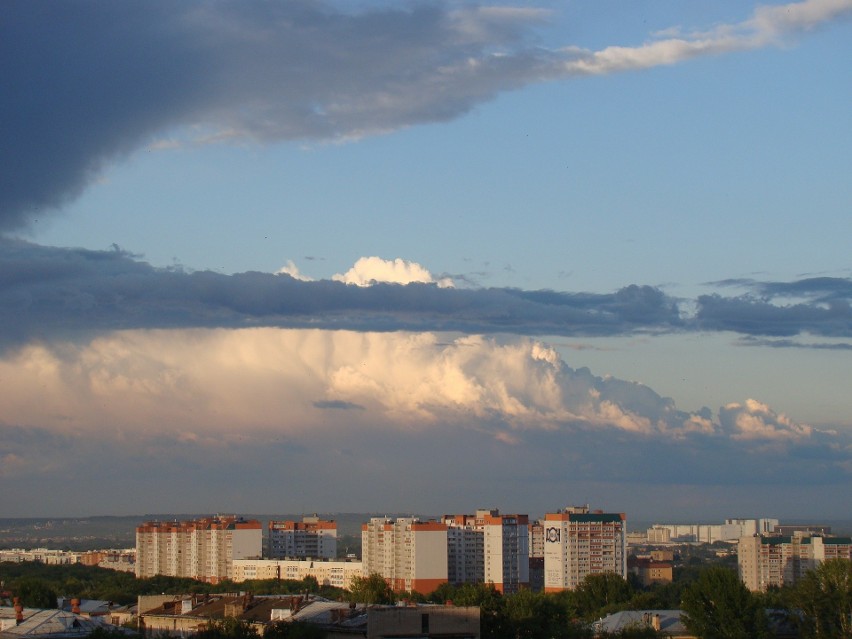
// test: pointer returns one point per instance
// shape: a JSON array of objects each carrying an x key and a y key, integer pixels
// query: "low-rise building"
[
  {"x": 327, "y": 573},
  {"x": 648, "y": 571}
]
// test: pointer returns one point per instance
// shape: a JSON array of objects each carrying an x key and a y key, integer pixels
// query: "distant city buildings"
[
  {"x": 310, "y": 538},
  {"x": 730, "y": 531},
  {"x": 202, "y": 549},
  {"x": 775, "y": 560},
  {"x": 121, "y": 559},
  {"x": 579, "y": 542}
]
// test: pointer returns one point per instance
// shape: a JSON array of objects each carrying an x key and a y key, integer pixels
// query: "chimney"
[
  {"x": 19, "y": 611},
  {"x": 75, "y": 606}
]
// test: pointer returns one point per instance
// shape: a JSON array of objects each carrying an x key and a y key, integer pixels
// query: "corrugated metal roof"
[{"x": 53, "y": 623}]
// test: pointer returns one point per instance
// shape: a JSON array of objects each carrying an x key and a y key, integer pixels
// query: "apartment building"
[
  {"x": 578, "y": 543},
  {"x": 465, "y": 550},
  {"x": 327, "y": 572},
  {"x": 489, "y": 547},
  {"x": 410, "y": 554},
  {"x": 310, "y": 538},
  {"x": 202, "y": 549},
  {"x": 764, "y": 561}
]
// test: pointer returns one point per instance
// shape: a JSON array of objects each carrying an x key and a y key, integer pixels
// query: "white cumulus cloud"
[
  {"x": 753, "y": 420},
  {"x": 293, "y": 271},
  {"x": 371, "y": 270}
]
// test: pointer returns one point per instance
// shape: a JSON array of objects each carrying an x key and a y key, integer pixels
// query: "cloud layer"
[
  {"x": 48, "y": 292},
  {"x": 87, "y": 83},
  {"x": 351, "y": 403},
  {"x": 117, "y": 373}
]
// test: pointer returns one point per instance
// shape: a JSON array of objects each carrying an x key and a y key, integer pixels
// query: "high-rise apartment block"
[
  {"x": 578, "y": 543},
  {"x": 310, "y": 538},
  {"x": 410, "y": 554},
  {"x": 202, "y": 549},
  {"x": 765, "y": 561},
  {"x": 489, "y": 547},
  {"x": 465, "y": 550}
]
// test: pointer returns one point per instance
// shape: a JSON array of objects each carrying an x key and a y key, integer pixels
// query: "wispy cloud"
[{"x": 88, "y": 83}]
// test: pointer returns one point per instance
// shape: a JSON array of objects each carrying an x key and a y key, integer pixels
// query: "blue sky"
[{"x": 655, "y": 191}]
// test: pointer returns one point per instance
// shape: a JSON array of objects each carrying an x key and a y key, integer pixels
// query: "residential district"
[{"x": 510, "y": 553}]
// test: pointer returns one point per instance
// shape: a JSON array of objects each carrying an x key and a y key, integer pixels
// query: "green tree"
[
  {"x": 227, "y": 628},
  {"x": 598, "y": 595},
  {"x": 293, "y": 630},
  {"x": 371, "y": 590},
  {"x": 719, "y": 606},
  {"x": 824, "y": 596},
  {"x": 35, "y": 593},
  {"x": 531, "y": 615}
]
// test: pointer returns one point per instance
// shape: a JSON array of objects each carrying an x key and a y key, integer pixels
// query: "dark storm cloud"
[
  {"x": 822, "y": 307},
  {"x": 817, "y": 289},
  {"x": 88, "y": 82},
  {"x": 789, "y": 343},
  {"x": 46, "y": 291},
  {"x": 337, "y": 404}
]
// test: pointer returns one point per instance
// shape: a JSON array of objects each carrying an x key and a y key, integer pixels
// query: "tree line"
[{"x": 715, "y": 603}]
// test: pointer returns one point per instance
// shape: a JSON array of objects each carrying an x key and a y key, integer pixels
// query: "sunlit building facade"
[
  {"x": 410, "y": 554},
  {"x": 202, "y": 549},
  {"x": 310, "y": 538},
  {"x": 766, "y": 561}
]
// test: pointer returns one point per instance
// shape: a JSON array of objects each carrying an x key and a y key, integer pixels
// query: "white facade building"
[{"x": 578, "y": 543}]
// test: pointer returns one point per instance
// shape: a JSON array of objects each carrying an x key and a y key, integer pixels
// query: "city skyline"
[{"x": 414, "y": 257}]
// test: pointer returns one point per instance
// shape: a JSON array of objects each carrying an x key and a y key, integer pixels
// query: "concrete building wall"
[
  {"x": 461, "y": 622},
  {"x": 766, "y": 561},
  {"x": 201, "y": 549},
  {"x": 327, "y": 573},
  {"x": 408, "y": 553},
  {"x": 578, "y": 544}
]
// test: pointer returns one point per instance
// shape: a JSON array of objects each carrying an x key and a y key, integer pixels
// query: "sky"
[{"x": 426, "y": 257}]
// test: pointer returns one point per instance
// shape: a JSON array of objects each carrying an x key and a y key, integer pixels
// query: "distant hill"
[{"x": 88, "y": 533}]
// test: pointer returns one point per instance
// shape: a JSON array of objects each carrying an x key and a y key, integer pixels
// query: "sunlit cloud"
[
  {"x": 754, "y": 420},
  {"x": 162, "y": 412},
  {"x": 371, "y": 270},
  {"x": 293, "y": 271}
]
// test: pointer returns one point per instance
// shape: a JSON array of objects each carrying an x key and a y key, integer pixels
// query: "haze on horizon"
[{"x": 283, "y": 257}]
